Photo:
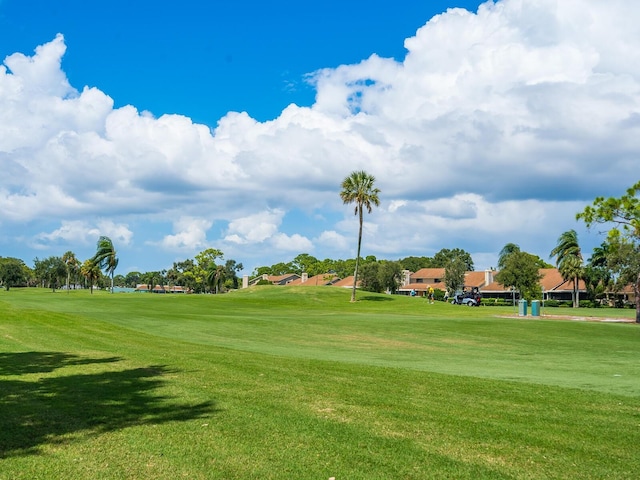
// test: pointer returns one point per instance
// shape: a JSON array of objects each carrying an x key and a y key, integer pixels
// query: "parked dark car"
[{"x": 470, "y": 298}]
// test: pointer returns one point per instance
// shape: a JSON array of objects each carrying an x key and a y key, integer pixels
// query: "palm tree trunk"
[
  {"x": 636, "y": 289},
  {"x": 355, "y": 273}
]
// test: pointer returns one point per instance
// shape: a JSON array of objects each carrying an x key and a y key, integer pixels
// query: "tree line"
[
  {"x": 55, "y": 271},
  {"x": 207, "y": 272}
]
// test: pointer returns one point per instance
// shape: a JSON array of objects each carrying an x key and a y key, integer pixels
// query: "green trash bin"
[
  {"x": 535, "y": 308},
  {"x": 522, "y": 308}
]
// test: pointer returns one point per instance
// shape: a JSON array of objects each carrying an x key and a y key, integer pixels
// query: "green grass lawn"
[{"x": 286, "y": 383}]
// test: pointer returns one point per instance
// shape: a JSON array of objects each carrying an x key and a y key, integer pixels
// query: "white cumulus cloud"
[
  {"x": 80, "y": 232},
  {"x": 497, "y": 126},
  {"x": 190, "y": 234}
]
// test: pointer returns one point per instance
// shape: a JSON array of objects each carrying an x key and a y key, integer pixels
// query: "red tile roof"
[
  {"x": 317, "y": 280},
  {"x": 474, "y": 279},
  {"x": 345, "y": 282},
  {"x": 551, "y": 281},
  {"x": 422, "y": 287},
  {"x": 429, "y": 273}
]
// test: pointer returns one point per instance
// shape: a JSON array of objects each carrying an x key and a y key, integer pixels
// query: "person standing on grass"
[{"x": 430, "y": 294}]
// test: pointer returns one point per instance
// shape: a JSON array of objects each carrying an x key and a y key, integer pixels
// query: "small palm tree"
[
  {"x": 599, "y": 262},
  {"x": 507, "y": 250},
  {"x": 359, "y": 188},
  {"x": 569, "y": 261},
  {"x": 105, "y": 257},
  {"x": 72, "y": 263},
  {"x": 215, "y": 276},
  {"x": 91, "y": 272}
]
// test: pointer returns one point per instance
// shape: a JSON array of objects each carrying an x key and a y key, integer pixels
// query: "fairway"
[{"x": 280, "y": 382}]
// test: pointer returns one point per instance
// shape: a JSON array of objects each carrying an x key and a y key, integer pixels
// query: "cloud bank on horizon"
[{"x": 498, "y": 126}]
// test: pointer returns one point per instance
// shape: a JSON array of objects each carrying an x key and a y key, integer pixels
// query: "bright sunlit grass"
[{"x": 289, "y": 383}]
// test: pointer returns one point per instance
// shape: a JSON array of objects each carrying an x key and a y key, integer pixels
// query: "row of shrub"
[
  {"x": 496, "y": 302},
  {"x": 503, "y": 302}
]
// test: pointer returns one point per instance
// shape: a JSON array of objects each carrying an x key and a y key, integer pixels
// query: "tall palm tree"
[
  {"x": 569, "y": 261},
  {"x": 105, "y": 257},
  {"x": 72, "y": 263},
  {"x": 359, "y": 188}
]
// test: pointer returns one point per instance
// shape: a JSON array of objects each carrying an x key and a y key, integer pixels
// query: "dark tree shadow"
[
  {"x": 372, "y": 298},
  {"x": 49, "y": 410},
  {"x": 43, "y": 362}
]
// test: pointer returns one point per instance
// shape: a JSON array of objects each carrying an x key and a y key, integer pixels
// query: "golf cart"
[{"x": 470, "y": 299}]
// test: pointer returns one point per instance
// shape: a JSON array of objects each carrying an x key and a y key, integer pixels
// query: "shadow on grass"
[
  {"x": 43, "y": 362},
  {"x": 51, "y": 410},
  {"x": 372, "y": 298}
]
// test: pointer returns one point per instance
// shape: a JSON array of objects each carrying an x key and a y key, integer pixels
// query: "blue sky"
[
  {"x": 204, "y": 59},
  {"x": 177, "y": 127}
]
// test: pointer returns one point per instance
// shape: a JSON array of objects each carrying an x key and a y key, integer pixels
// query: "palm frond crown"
[{"x": 106, "y": 257}]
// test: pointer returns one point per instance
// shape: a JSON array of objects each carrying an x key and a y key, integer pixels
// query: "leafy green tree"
[
  {"x": 199, "y": 274},
  {"x": 231, "y": 269},
  {"x": 624, "y": 214},
  {"x": 132, "y": 279},
  {"x": 454, "y": 274},
  {"x": 38, "y": 272},
  {"x": 52, "y": 271},
  {"x": 624, "y": 260},
  {"x": 185, "y": 273},
  {"x": 380, "y": 276},
  {"x": 305, "y": 263},
  {"x": 326, "y": 266},
  {"x": 359, "y": 188},
  {"x": 541, "y": 263},
  {"x": 205, "y": 258},
  {"x": 390, "y": 275},
  {"x": 263, "y": 270},
  {"x": 413, "y": 264},
  {"x": 370, "y": 277},
  {"x": 12, "y": 272},
  {"x": 569, "y": 261},
  {"x": 282, "y": 268},
  {"x": 521, "y": 272},
  {"x": 444, "y": 256},
  {"x": 106, "y": 257}
]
